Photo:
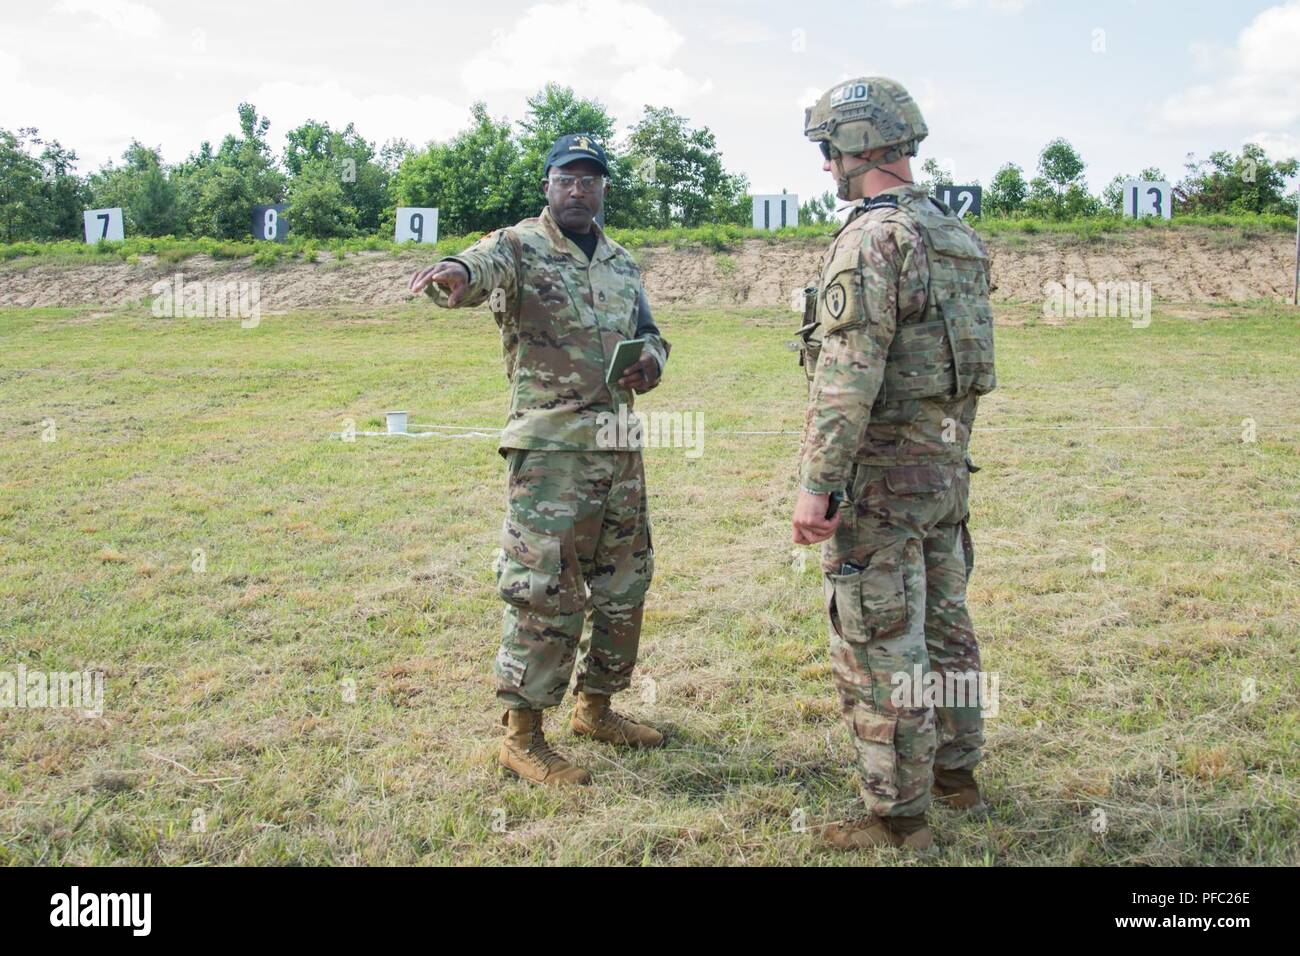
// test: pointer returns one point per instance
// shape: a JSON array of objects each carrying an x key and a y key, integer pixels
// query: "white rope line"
[
  {"x": 483, "y": 428},
  {"x": 480, "y": 429},
  {"x": 470, "y": 434}
]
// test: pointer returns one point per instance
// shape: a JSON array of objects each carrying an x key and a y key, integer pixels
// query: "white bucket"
[{"x": 397, "y": 423}]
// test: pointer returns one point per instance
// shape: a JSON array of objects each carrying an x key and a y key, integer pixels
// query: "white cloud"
[
  {"x": 133, "y": 19},
  {"x": 617, "y": 46},
  {"x": 733, "y": 30},
  {"x": 10, "y": 67},
  {"x": 997, "y": 6},
  {"x": 807, "y": 98},
  {"x": 379, "y": 117},
  {"x": 929, "y": 99},
  {"x": 89, "y": 122},
  {"x": 1278, "y": 146},
  {"x": 656, "y": 84},
  {"x": 1260, "y": 76},
  {"x": 1206, "y": 57}
]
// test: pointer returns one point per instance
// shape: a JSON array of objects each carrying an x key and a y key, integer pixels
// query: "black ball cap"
[{"x": 573, "y": 147}]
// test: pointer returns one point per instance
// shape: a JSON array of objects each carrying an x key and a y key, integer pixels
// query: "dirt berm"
[{"x": 1184, "y": 265}]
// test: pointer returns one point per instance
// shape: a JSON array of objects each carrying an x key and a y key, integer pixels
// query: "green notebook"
[{"x": 626, "y": 354}]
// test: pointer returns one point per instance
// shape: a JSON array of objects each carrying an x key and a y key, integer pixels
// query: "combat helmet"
[{"x": 864, "y": 114}]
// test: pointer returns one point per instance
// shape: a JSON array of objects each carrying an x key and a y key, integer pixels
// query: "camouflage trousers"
[
  {"x": 895, "y": 583},
  {"x": 576, "y": 539}
]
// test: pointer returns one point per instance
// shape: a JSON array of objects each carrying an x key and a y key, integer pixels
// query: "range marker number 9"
[{"x": 416, "y": 224}]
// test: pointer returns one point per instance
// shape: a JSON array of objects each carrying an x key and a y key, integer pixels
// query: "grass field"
[{"x": 1159, "y": 693}]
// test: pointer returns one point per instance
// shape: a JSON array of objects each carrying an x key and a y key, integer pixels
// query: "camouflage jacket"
[
  {"x": 887, "y": 390},
  {"x": 560, "y": 318}
]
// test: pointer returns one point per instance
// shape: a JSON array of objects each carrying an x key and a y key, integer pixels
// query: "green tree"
[
  {"x": 144, "y": 190},
  {"x": 217, "y": 191},
  {"x": 1246, "y": 183},
  {"x": 1006, "y": 195},
  {"x": 732, "y": 204},
  {"x": 318, "y": 205},
  {"x": 23, "y": 203},
  {"x": 1060, "y": 191},
  {"x": 66, "y": 195},
  {"x": 466, "y": 178},
  {"x": 363, "y": 182},
  {"x": 932, "y": 174},
  {"x": 819, "y": 209},
  {"x": 1061, "y": 166},
  {"x": 689, "y": 185},
  {"x": 41, "y": 196},
  {"x": 393, "y": 153}
]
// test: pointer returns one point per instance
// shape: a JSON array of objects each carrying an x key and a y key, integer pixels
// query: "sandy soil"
[{"x": 1185, "y": 266}]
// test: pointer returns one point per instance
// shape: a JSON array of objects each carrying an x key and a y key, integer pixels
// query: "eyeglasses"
[
  {"x": 825, "y": 147},
  {"x": 584, "y": 183}
]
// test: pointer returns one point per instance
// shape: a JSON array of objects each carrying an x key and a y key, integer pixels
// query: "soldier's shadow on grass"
[{"x": 698, "y": 766}]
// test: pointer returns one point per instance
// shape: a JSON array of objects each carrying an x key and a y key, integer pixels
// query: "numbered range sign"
[
  {"x": 103, "y": 224},
  {"x": 776, "y": 212},
  {"x": 269, "y": 222},
  {"x": 1146, "y": 198},
  {"x": 417, "y": 224},
  {"x": 963, "y": 200}
]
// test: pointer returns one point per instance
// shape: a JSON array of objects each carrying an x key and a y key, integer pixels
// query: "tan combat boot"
[
  {"x": 905, "y": 833},
  {"x": 526, "y": 753},
  {"x": 958, "y": 789},
  {"x": 594, "y": 718}
]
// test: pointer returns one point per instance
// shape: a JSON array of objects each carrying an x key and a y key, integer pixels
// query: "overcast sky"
[{"x": 1131, "y": 83}]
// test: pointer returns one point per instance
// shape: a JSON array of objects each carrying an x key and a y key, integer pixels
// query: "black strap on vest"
[{"x": 880, "y": 202}]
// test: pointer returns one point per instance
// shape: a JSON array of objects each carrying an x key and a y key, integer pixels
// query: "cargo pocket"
[
  {"x": 918, "y": 480},
  {"x": 873, "y": 737},
  {"x": 632, "y": 579},
  {"x": 514, "y": 460},
  {"x": 870, "y": 604},
  {"x": 528, "y": 571}
]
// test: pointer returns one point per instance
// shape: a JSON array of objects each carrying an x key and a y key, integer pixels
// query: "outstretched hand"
[{"x": 450, "y": 275}]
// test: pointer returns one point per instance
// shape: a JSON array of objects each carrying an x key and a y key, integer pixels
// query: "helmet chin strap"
[
  {"x": 890, "y": 172},
  {"x": 845, "y": 176}
]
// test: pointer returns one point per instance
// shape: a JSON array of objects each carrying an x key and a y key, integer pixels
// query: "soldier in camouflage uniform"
[
  {"x": 906, "y": 350},
  {"x": 576, "y": 538}
]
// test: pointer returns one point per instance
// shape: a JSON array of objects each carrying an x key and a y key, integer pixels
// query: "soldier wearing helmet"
[{"x": 906, "y": 351}]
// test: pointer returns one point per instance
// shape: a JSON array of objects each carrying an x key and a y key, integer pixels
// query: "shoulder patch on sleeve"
[{"x": 836, "y": 297}]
